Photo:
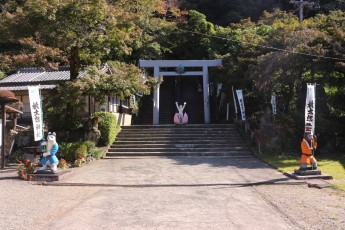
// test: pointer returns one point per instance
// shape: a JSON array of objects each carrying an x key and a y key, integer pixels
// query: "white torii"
[{"x": 158, "y": 64}]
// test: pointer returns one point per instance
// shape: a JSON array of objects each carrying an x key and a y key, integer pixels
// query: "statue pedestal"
[
  {"x": 49, "y": 176},
  {"x": 308, "y": 174}
]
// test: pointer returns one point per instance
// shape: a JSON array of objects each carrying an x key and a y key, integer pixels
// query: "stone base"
[
  {"x": 308, "y": 172},
  {"x": 49, "y": 176},
  {"x": 310, "y": 176},
  {"x": 47, "y": 171},
  {"x": 320, "y": 184}
]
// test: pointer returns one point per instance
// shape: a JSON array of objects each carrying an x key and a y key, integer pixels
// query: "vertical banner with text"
[
  {"x": 274, "y": 103},
  {"x": 241, "y": 103},
  {"x": 36, "y": 112},
  {"x": 310, "y": 109}
]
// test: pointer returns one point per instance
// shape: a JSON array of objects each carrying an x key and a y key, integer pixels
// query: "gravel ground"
[
  {"x": 307, "y": 208},
  {"x": 27, "y": 206}
]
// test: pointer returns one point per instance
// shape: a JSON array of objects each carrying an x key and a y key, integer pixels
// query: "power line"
[{"x": 266, "y": 47}]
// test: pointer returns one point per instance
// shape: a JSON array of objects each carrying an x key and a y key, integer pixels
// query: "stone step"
[
  {"x": 173, "y": 140},
  {"x": 169, "y": 130},
  {"x": 199, "y": 133},
  {"x": 177, "y": 145},
  {"x": 183, "y": 153},
  {"x": 190, "y": 149},
  {"x": 177, "y": 141},
  {"x": 176, "y": 138},
  {"x": 187, "y": 126},
  {"x": 179, "y": 137}
]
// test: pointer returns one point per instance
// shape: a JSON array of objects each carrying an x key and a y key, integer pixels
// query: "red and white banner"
[{"x": 310, "y": 109}]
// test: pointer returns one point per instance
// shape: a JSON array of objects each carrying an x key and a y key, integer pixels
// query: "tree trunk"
[{"x": 74, "y": 63}]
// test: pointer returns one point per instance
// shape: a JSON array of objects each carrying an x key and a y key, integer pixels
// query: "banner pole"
[
  {"x": 41, "y": 106},
  {"x": 235, "y": 105},
  {"x": 312, "y": 143}
]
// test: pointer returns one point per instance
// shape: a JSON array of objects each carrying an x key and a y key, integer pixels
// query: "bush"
[
  {"x": 72, "y": 151},
  {"x": 108, "y": 127},
  {"x": 25, "y": 169},
  {"x": 97, "y": 153},
  {"x": 16, "y": 156},
  {"x": 90, "y": 145}
]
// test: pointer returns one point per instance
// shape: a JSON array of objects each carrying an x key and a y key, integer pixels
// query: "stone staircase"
[{"x": 171, "y": 140}]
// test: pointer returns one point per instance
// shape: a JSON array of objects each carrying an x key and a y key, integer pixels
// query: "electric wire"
[{"x": 264, "y": 46}]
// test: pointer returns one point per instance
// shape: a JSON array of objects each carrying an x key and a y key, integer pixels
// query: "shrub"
[
  {"x": 72, "y": 151},
  {"x": 97, "y": 153},
  {"x": 79, "y": 161},
  {"x": 25, "y": 169},
  {"x": 64, "y": 151},
  {"x": 108, "y": 127},
  {"x": 62, "y": 164},
  {"x": 90, "y": 145},
  {"x": 79, "y": 149},
  {"x": 16, "y": 156}
]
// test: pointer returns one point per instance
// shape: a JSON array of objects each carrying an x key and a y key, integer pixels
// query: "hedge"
[
  {"x": 107, "y": 124},
  {"x": 72, "y": 151}
]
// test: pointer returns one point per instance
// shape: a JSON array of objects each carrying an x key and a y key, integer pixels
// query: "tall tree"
[{"x": 78, "y": 33}]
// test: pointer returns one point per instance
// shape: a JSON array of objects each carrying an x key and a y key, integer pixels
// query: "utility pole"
[{"x": 301, "y": 4}]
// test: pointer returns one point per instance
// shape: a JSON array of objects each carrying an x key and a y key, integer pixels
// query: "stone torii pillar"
[{"x": 203, "y": 64}]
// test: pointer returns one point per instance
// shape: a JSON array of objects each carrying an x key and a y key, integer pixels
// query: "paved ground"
[
  {"x": 160, "y": 193},
  {"x": 193, "y": 171}
]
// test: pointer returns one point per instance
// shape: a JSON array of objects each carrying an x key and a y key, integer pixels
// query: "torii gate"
[{"x": 158, "y": 64}]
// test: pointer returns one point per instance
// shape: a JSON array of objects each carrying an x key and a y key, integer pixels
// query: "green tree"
[
  {"x": 65, "y": 103},
  {"x": 190, "y": 39},
  {"x": 75, "y": 33}
]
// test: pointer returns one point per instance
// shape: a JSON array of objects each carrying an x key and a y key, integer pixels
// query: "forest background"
[{"x": 263, "y": 46}]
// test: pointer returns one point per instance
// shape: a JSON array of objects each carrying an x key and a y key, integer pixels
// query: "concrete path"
[
  {"x": 173, "y": 193},
  {"x": 179, "y": 171}
]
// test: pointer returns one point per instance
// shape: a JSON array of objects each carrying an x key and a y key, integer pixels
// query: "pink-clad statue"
[{"x": 180, "y": 117}]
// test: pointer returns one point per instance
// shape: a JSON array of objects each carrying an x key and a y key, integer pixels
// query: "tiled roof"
[
  {"x": 33, "y": 76},
  {"x": 39, "y": 77},
  {"x": 24, "y": 87}
]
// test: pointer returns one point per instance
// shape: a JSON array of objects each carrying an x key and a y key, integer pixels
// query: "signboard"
[
  {"x": 310, "y": 109},
  {"x": 36, "y": 112},
  {"x": 241, "y": 103}
]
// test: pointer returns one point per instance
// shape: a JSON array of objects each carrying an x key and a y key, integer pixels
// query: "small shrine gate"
[{"x": 160, "y": 66}]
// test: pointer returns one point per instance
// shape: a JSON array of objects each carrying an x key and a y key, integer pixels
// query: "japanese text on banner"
[
  {"x": 241, "y": 103},
  {"x": 310, "y": 109},
  {"x": 36, "y": 112},
  {"x": 274, "y": 104}
]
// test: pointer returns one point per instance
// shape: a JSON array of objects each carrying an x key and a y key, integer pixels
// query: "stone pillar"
[
  {"x": 206, "y": 95},
  {"x": 156, "y": 98}
]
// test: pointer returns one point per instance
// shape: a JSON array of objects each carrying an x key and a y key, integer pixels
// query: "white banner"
[
  {"x": 241, "y": 103},
  {"x": 36, "y": 112},
  {"x": 310, "y": 109},
  {"x": 274, "y": 104}
]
